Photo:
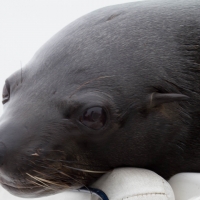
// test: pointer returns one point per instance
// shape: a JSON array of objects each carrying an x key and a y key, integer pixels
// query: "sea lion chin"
[{"x": 119, "y": 87}]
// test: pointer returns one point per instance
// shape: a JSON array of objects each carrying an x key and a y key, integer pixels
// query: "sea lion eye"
[
  {"x": 94, "y": 118},
  {"x": 6, "y": 93}
]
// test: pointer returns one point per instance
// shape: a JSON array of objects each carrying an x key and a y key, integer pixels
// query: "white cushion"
[
  {"x": 134, "y": 184},
  {"x": 186, "y": 186}
]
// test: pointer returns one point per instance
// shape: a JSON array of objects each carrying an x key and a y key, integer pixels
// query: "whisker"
[
  {"x": 88, "y": 82},
  {"x": 53, "y": 151},
  {"x": 59, "y": 177},
  {"x": 79, "y": 169},
  {"x": 44, "y": 180},
  {"x": 76, "y": 181},
  {"x": 21, "y": 70},
  {"x": 36, "y": 183},
  {"x": 85, "y": 170},
  {"x": 74, "y": 162},
  {"x": 70, "y": 178},
  {"x": 44, "y": 183},
  {"x": 43, "y": 173},
  {"x": 36, "y": 178},
  {"x": 58, "y": 161}
]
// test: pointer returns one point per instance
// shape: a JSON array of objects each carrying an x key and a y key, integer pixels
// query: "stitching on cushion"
[{"x": 147, "y": 194}]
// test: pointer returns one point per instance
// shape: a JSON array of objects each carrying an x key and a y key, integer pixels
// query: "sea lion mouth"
[
  {"x": 45, "y": 172},
  {"x": 34, "y": 189},
  {"x": 28, "y": 191},
  {"x": 36, "y": 182},
  {"x": 19, "y": 186},
  {"x": 18, "y": 190}
]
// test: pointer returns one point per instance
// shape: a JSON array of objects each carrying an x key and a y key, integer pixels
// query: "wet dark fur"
[{"x": 115, "y": 58}]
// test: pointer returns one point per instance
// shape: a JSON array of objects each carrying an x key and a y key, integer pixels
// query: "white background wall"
[{"x": 26, "y": 24}]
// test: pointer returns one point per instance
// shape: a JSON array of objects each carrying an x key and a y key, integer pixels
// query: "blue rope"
[{"x": 100, "y": 193}]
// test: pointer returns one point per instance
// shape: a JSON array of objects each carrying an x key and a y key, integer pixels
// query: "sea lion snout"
[{"x": 48, "y": 152}]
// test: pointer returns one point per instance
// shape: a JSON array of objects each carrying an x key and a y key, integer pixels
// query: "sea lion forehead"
[
  {"x": 86, "y": 40},
  {"x": 98, "y": 38},
  {"x": 106, "y": 42}
]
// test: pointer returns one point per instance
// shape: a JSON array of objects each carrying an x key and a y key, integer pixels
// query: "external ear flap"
[{"x": 157, "y": 99}]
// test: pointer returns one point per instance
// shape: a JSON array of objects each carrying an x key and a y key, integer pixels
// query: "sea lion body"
[{"x": 118, "y": 87}]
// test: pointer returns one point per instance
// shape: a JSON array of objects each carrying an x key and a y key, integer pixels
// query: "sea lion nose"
[{"x": 2, "y": 153}]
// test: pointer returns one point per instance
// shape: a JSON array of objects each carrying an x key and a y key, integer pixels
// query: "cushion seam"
[{"x": 145, "y": 194}]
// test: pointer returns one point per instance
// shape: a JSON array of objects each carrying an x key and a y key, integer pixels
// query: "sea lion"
[{"x": 118, "y": 87}]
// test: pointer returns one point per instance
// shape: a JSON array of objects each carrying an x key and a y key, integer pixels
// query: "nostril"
[{"x": 2, "y": 153}]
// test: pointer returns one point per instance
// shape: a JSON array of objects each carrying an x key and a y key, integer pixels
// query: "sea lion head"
[{"x": 96, "y": 96}]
